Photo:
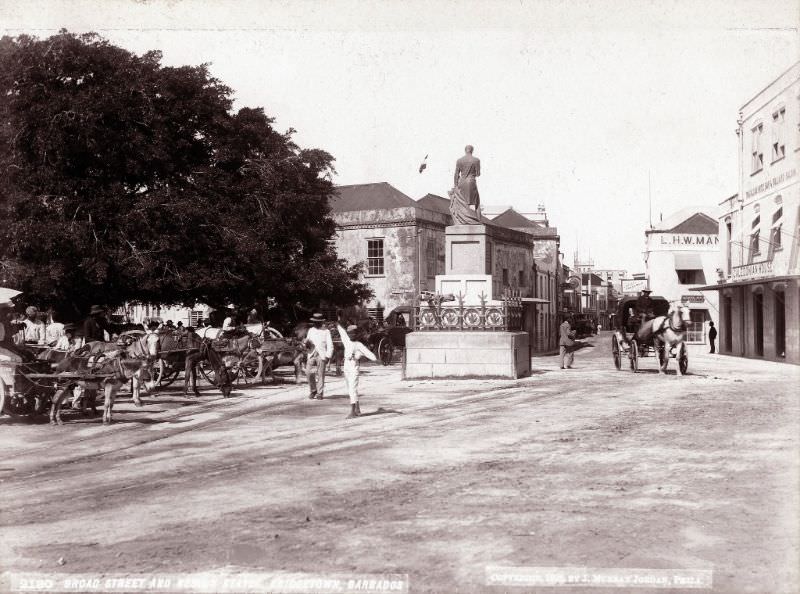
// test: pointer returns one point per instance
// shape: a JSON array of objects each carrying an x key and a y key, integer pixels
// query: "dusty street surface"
[{"x": 589, "y": 467}]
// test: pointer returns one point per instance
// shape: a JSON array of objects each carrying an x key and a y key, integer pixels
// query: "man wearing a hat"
[
  {"x": 644, "y": 306},
  {"x": 321, "y": 349},
  {"x": 96, "y": 325}
]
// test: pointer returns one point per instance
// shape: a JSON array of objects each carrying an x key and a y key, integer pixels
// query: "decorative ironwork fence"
[{"x": 435, "y": 316}]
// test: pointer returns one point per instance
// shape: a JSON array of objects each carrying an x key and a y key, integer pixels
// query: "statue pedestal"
[
  {"x": 478, "y": 334},
  {"x": 466, "y": 355}
]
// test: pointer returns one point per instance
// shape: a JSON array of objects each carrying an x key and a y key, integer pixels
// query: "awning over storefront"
[
  {"x": 745, "y": 282},
  {"x": 688, "y": 261},
  {"x": 534, "y": 300}
]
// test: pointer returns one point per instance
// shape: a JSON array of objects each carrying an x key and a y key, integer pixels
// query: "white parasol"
[{"x": 6, "y": 295}]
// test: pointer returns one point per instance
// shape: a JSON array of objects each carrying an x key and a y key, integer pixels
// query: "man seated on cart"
[{"x": 637, "y": 317}]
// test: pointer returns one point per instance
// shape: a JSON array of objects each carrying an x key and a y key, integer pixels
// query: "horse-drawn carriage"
[{"x": 659, "y": 332}]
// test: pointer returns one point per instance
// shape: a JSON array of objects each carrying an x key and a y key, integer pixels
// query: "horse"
[
  {"x": 206, "y": 352},
  {"x": 668, "y": 332}
]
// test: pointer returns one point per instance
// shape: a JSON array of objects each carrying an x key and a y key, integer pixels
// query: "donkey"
[
  {"x": 116, "y": 369},
  {"x": 668, "y": 332},
  {"x": 206, "y": 352}
]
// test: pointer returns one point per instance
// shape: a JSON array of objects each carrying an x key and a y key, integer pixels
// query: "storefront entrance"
[
  {"x": 758, "y": 324},
  {"x": 696, "y": 332},
  {"x": 780, "y": 324}
]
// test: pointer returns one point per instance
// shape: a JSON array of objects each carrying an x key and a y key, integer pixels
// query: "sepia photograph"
[{"x": 399, "y": 296}]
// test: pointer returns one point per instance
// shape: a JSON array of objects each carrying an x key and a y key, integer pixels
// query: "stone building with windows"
[
  {"x": 759, "y": 277},
  {"x": 400, "y": 242},
  {"x": 682, "y": 254}
]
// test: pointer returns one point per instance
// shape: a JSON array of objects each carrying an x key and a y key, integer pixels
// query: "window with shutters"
[
  {"x": 375, "y": 257},
  {"x": 778, "y": 134},
  {"x": 757, "y": 150},
  {"x": 775, "y": 232}
]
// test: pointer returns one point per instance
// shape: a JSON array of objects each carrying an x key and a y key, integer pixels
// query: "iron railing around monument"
[{"x": 437, "y": 314}]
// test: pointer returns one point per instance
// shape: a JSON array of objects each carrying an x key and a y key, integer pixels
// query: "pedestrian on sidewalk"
[
  {"x": 712, "y": 337},
  {"x": 353, "y": 351},
  {"x": 321, "y": 349},
  {"x": 566, "y": 345}
]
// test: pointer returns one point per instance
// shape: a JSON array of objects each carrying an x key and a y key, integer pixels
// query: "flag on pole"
[{"x": 424, "y": 164}]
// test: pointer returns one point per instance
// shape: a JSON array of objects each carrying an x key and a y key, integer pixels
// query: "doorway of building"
[
  {"x": 696, "y": 331},
  {"x": 758, "y": 323},
  {"x": 727, "y": 330},
  {"x": 780, "y": 324}
]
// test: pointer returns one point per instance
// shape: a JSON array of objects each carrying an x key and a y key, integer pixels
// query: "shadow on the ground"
[{"x": 382, "y": 411}]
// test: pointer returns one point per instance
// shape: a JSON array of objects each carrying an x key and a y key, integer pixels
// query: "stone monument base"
[{"x": 466, "y": 354}]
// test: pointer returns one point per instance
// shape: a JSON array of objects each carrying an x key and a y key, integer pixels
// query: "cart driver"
[{"x": 644, "y": 307}]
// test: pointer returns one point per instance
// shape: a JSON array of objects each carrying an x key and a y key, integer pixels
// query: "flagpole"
[{"x": 649, "y": 200}]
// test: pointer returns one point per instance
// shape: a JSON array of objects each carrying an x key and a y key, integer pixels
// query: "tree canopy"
[{"x": 125, "y": 180}]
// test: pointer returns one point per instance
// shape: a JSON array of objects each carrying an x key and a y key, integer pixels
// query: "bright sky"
[{"x": 568, "y": 103}]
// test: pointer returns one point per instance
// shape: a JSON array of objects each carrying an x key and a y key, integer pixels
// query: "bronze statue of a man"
[{"x": 467, "y": 169}]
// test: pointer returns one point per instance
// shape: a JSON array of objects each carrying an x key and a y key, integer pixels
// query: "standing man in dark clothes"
[
  {"x": 95, "y": 326},
  {"x": 712, "y": 337}
]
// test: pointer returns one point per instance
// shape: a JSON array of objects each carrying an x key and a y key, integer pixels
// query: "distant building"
[
  {"x": 546, "y": 273},
  {"x": 681, "y": 254},
  {"x": 599, "y": 297},
  {"x": 400, "y": 242},
  {"x": 492, "y": 211},
  {"x": 759, "y": 277}
]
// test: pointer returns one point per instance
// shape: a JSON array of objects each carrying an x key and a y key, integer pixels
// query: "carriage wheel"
[
  {"x": 634, "y": 355},
  {"x": 385, "y": 350},
  {"x": 615, "y": 352},
  {"x": 683, "y": 358}
]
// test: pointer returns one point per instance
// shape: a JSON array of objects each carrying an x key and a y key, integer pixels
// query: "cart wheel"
[
  {"x": 634, "y": 355},
  {"x": 3, "y": 397},
  {"x": 249, "y": 368},
  {"x": 616, "y": 353},
  {"x": 385, "y": 350},
  {"x": 683, "y": 358},
  {"x": 207, "y": 371},
  {"x": 169, "y": 376}
]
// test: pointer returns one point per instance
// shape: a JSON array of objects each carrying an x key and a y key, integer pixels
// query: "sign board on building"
[
  {"x": 752, "y": 270},
  {"x": 633, "y": 286},
  {"x": 695, "y": 240},
  {"x": 692, "y": 299}
]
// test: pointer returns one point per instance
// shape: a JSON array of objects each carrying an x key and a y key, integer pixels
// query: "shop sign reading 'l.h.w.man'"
[{"x": 689, "y": 239}]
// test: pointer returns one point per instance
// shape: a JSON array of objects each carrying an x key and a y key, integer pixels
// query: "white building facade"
[
  {"x": 681, "y": 255},
  {"x": 759, "y": 284}
]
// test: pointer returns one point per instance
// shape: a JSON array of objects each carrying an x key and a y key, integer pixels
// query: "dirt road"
[{"x": 589, "y": 467}]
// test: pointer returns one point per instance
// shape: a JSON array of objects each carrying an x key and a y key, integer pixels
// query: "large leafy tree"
[{"x": 125, "y": 180}]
